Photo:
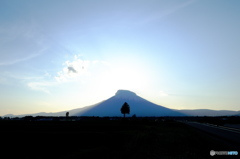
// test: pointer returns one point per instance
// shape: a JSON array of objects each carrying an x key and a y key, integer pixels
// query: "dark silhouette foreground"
[
  {"x": 125, "y": 109},
  {"x": 93, "y": 137}
]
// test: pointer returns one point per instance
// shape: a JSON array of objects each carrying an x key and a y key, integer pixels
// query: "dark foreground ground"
[{"x": 107, "y": 139}]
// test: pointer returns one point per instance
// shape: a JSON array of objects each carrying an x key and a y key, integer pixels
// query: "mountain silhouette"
[
  {"x": 112, "y": 106},
  {"x": 138, "y": 106},
  {"x": 208, "y": 112}
]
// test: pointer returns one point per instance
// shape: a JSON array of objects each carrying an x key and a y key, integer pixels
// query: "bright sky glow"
[{"x": 63, "y": 54}]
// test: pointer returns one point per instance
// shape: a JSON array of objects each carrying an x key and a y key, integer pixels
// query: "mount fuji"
[
  {"x": 112, "y": 106},
  {"x": 138, "y": 106}
]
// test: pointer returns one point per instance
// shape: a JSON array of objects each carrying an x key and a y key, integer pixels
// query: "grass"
[{"x": 107, "y": 139}]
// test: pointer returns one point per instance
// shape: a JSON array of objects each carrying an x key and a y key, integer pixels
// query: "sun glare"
[{"x": 123, "y": 78}]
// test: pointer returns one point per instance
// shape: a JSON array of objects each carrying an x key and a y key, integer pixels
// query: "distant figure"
[
  {"x": 67, "y": 114},
  {"x": 125, "y": 109}
]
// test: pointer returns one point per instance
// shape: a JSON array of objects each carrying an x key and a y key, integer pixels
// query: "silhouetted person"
[
  {"x": 125, "y": 109},
  {"x": 67, "y": 114}
]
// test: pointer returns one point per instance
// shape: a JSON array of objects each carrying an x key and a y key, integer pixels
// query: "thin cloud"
[
  {"x": 73, "y": 69},
  {"x": 36, "y": 83},
  {"x": 171, "y": 10},
  {"x": 17, "y": 60},
  {"x": 21, "y": 42},
  {"x": 163, "y": 94},
  {"x": 40, "y": 86},
  {"x": 78, "y": 67}
]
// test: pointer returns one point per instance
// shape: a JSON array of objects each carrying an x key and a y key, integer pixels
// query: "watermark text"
[{"x": 212, "y": 152}]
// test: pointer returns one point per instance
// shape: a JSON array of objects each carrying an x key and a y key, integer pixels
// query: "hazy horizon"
[{"x": 60, "y": 55}]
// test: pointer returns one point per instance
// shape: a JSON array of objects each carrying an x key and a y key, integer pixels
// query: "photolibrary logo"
[{"x": 212, "y": 152}]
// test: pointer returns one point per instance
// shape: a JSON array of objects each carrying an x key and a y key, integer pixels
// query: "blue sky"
[{"x": 59, "y": 55}]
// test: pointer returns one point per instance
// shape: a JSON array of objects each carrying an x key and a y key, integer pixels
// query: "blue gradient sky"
[{"x": 64, "y": 54}]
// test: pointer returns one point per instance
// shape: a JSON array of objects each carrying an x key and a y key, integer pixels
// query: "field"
[{"x": 139, "y": 139}]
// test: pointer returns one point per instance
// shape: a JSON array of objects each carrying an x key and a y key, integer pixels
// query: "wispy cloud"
[
  {"x": 34, "y": 82},
  {"x": 40, "y": 86},
  {"x": 21, "y": 42},
  {"x": 73, "y": 69},
  {"x": 163, "y": 94},
  {"x": 21, "y": 59},
  {"x": 168, "y": 11},
  {"x": 21, "y": 77}
]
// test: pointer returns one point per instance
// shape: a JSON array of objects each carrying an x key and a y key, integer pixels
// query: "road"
[{"x": 229, "y": 135}]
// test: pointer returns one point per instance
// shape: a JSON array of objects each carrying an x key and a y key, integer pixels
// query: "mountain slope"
[
  {"x": 138, "y": 106},
  {"x": 208, "y": 112}
]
